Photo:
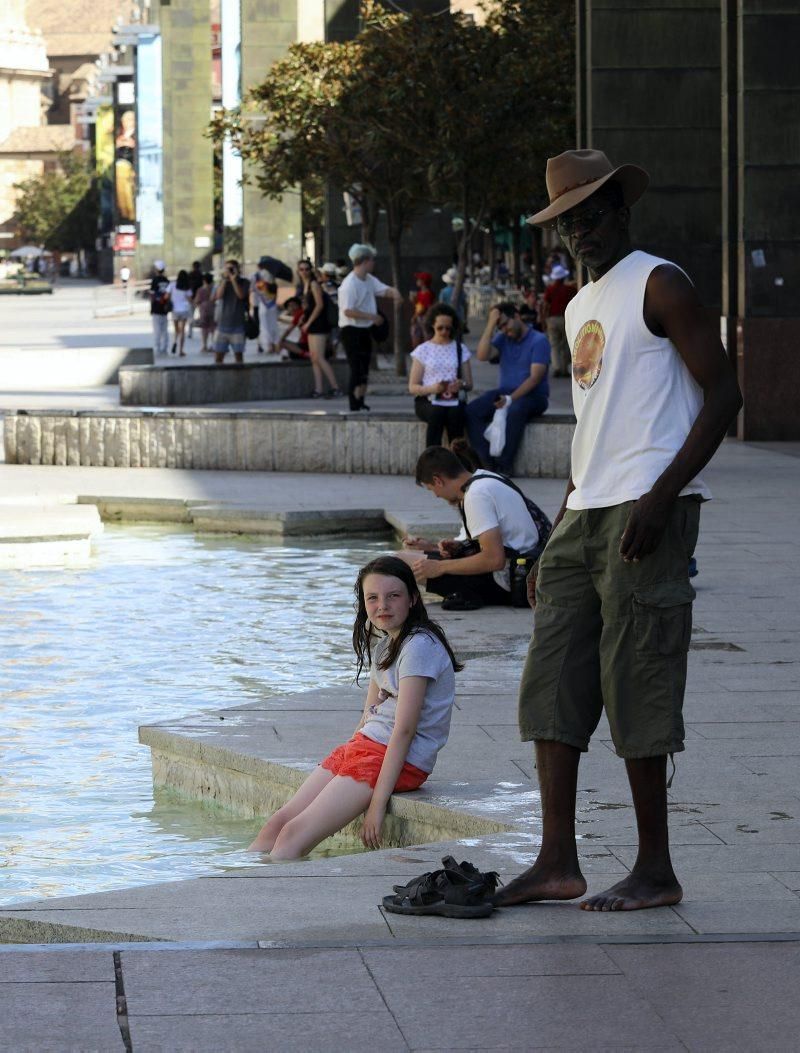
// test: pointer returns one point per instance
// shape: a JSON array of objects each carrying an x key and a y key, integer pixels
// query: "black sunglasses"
[{"x": 567, "y": 225}]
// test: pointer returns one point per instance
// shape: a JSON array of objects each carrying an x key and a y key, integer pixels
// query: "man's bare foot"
[
  {"x": 637, "y": 892},
  {"x": 538, "y": 883}
]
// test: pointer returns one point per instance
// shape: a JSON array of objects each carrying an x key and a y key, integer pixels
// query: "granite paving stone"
[
  {"x": 59, "y": 1017},
  {"x": 485, "y": 1012},
  {"x": 279, "y": 981},
  {"x": 720, "y": 997},
  {"x": 246, "y": 1031}
]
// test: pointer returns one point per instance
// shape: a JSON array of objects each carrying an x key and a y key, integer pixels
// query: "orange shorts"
[{"x": 361, "y": 759}]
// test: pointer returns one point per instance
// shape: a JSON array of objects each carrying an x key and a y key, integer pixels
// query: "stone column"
[
  {"x": 761, "y": 188},
  {"x": 273, "y": 227},
  {"x": 188, "y": 155}
]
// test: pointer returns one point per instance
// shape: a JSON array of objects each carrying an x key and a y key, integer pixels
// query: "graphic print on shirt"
[{"x": 587, "y": 354}]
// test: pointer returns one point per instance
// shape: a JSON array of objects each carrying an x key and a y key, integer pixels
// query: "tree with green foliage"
[
  {"x": 418, "y": 110},
  {"x": 59, "y": 209}
]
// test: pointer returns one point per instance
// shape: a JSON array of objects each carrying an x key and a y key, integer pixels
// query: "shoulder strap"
[
  {"x": 540, "y": 520},
  {"x": 459, "y": 357}
]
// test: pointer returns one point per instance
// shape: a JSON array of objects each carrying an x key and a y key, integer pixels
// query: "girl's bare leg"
[
  {"x": 319, "y": 363},
  {"x": 316, "y": 782},
  {"x": 341, "y": 801},
  {"x": 180, "y": 327}
]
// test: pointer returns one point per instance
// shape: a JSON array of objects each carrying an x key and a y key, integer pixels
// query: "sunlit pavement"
[{"x": 303, "y": 958}]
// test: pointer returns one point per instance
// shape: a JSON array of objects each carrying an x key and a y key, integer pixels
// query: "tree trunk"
[
  {"x": 395, "y": 238},
  {"x": 536, "y": 252},
  {"x": 516, "y": 244}
]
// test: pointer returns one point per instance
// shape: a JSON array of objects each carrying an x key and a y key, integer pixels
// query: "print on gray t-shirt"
[{"x": 422, "y": 654}]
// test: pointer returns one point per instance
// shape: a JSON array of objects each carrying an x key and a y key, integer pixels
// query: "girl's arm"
[
  {"x": 371, "y": 699},
  {"x": 409, "y": 707}
]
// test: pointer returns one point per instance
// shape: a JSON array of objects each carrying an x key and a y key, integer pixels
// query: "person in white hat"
[
  {"x": 358, "y": 313},
  {"x": 160, "y": 306},
  {"x": 446, "y": 296},
  {"x": 654, "y": 395},
  {"x": 556, "y": 296}
]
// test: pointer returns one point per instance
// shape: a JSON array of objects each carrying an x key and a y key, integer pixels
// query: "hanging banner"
[
  {"x": 104, "y": 164},
  {"x": 149, "y": 123},
  {"x": 124, "y": 153}
]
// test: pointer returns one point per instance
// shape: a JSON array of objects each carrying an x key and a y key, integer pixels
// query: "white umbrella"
[{"x": 28, "y": 252}]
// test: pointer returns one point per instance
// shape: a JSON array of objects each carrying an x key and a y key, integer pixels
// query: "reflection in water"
[{"x": 159, "y": 625}]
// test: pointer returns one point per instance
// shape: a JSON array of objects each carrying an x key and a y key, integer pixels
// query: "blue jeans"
[{"x": 480, "y": 413}]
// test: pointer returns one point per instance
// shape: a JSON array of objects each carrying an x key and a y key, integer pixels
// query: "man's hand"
[
  {"x": 645, "y": 527},
  {"x": 502, "y": 400},
  {"x": 424, "y": 569},
  {"x": 416, "y": 542},
  {"x": 493, "y": 319},
  {"x": 373, "y": 823},
  {"x": 530, "y": 582},
  {"x": 447, "y": 547}
]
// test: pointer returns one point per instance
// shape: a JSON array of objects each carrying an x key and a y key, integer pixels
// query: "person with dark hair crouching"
[{"x": 500, "y": 523}]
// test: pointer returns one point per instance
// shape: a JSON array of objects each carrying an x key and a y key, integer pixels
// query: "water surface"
[{"x": 162, "y": 623}]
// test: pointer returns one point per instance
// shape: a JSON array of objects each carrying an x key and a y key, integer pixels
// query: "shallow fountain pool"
[{"x": 160, "y": 624}]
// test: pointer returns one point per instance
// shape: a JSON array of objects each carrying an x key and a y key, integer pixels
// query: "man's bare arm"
[{"x": 672, "y": 309}]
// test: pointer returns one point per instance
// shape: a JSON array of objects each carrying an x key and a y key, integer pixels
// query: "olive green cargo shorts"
[{"x": 611, "y": 634}]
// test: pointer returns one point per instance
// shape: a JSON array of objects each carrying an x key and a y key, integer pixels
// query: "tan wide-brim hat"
[{"x": 576, "y": 174}]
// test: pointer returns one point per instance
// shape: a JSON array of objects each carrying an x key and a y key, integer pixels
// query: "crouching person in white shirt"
[{"x": 474, "y": 571}]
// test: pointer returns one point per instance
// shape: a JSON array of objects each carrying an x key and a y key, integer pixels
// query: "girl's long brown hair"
[{"x": 417, "y": 621}]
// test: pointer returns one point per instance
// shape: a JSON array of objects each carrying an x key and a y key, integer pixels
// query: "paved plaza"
[{"x": 301, "y": 956}]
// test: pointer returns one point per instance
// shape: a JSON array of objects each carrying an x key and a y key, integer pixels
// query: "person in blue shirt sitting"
[{"x": 524, "y": 355}]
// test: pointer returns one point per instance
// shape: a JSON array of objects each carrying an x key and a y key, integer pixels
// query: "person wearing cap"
[
  {"x": 160, "y": 306},
  {"x": 554, "y": 302},
  {"x": 422, "y": 301},
  {"x": 446, "y": 296},
  {"x": 358, "y": 312},
  {"x": 654, "y": 395}
]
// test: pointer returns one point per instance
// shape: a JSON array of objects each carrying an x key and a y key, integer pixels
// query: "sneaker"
[
  {"x": 174, "y": 347},
  {"x": 317, "y": 395}
]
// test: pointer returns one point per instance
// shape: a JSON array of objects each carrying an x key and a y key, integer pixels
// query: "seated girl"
[{"x": 406, "y": 718}]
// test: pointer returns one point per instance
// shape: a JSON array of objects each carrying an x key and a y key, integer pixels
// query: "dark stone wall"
[
  {"x": 761, "y": 89},
  {"x": 649, "y": 93}
]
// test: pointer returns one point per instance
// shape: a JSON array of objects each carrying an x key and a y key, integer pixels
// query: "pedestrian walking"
[
  {"x": 204, "y": 302},
  {"x": 654, "y": 395},
  {"x": 317, "y": 327},
  {"x": 160, "y": 307},
  {"x": 232, "y": 294},
  {"x": 441, "y": 376},
  {"x": 358, "y": 312},
  {"x": 523, "y": 391},
  {"x": 195, "y": 284},
  {"x": 181, "y": 301},
  {"x": 556, "y": 296}
]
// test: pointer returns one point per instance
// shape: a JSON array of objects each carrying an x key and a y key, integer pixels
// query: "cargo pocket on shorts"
[{"x": 662, "y": 616}]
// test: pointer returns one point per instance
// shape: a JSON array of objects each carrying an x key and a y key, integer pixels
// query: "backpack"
[{"x": 540, "y": 520}]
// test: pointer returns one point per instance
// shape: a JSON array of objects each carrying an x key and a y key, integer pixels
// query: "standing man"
[
  {"x": 556, "y": 297},
  {"x": 234, "y": 291},
  {"x": 358, "y": 312},
  {"x": 160, "y": 306},
  {"x": 524, "y": 357},
  {"x": 654, "y": 395}
]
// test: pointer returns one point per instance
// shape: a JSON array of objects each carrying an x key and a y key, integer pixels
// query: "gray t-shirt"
[
  {"x": 422, "y": 654},
  {"x": 231, "y": 319}
]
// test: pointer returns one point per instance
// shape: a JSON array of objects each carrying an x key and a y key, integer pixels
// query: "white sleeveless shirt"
[{"x": 635, "y": 401}]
